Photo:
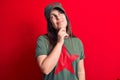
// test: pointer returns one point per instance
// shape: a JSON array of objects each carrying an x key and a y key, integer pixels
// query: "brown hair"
[{"x": 52, "y": 32}]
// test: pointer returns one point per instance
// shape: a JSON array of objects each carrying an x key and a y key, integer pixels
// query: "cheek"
[
  {"x": 53, "y": 22},
  {"x": 66, "y": 22}
]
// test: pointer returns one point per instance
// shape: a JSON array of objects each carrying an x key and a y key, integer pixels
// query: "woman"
[{"x": 60, "y": 55}]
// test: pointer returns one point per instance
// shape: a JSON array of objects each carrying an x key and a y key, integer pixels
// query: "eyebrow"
[{"x": 53, "y": 14}]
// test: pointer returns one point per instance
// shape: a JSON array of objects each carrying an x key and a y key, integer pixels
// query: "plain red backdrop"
[{"x": 95, "y": 22}]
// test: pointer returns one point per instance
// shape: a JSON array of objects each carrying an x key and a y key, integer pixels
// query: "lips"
[{"x": 60, "y": 22}]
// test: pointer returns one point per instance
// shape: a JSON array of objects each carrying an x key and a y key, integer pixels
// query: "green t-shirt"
[{"x": 67, "y": 66}]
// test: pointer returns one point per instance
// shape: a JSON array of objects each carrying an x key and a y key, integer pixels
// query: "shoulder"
[
  {"x": 76, "y": 39},
  {"x": 42, "y": 38}
]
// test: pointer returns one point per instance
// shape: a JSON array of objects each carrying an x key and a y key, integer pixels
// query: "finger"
[
  {"x": 62, "y": 29},
  {"x": 65, "y": 35}
]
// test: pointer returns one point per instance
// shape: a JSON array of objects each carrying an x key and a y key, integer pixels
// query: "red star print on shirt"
[{"x": 65, "y": 61}]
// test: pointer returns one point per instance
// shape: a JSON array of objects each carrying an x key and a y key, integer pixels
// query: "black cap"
[{"x": 51, "y": 7}]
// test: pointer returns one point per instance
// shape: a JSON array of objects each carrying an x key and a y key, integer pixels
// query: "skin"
[
  {"x": 59, "y": 22},
  {"x": 58, "y": 19}
]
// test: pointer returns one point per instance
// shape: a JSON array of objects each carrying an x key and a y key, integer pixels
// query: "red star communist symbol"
[{"x": 65, "y": 61}]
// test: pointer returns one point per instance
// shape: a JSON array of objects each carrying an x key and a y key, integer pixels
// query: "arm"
[
  {"x": 81, "y": 70},
  {"x": 48, "y": 62}
]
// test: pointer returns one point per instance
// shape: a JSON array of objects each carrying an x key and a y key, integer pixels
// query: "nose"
[{"x": 58, "y": 17}]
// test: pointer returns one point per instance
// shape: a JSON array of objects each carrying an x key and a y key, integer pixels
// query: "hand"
[{"x": 61, "y": 35}]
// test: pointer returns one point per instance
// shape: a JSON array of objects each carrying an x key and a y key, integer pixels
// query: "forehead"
[{"x": 54, "y": 11}]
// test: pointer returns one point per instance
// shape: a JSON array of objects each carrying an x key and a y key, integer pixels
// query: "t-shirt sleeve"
[
  {"x": 81, "y": 48},
  {"x": 41, "y": 48}
]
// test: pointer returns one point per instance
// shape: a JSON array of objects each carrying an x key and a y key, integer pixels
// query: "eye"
[
  {"x": 52, "y": 16},
  {"x": 61, "y": 12}
]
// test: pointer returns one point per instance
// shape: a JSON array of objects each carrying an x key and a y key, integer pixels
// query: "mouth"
[{"x": 60, "y": 22}]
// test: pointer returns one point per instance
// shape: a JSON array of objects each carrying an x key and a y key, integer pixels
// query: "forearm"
[
  {"x": 81, "y": 75},
  {"x": 81, "y": 70},
  {"x": 51, "y": 60}
]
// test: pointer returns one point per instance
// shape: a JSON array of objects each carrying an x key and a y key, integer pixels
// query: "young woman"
[{"x": 60, "y": 55}]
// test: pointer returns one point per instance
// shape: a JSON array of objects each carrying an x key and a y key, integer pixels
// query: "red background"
[{"x": 96, "y": 22}]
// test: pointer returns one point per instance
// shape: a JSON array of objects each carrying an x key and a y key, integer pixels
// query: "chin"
[{"x": 62, "y": 27}]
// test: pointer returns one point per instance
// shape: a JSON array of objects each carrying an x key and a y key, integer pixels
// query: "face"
[{"x": 58, "y": 19}]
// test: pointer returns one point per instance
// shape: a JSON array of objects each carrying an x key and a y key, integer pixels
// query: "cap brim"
[{"x": 59, "y": 8}]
